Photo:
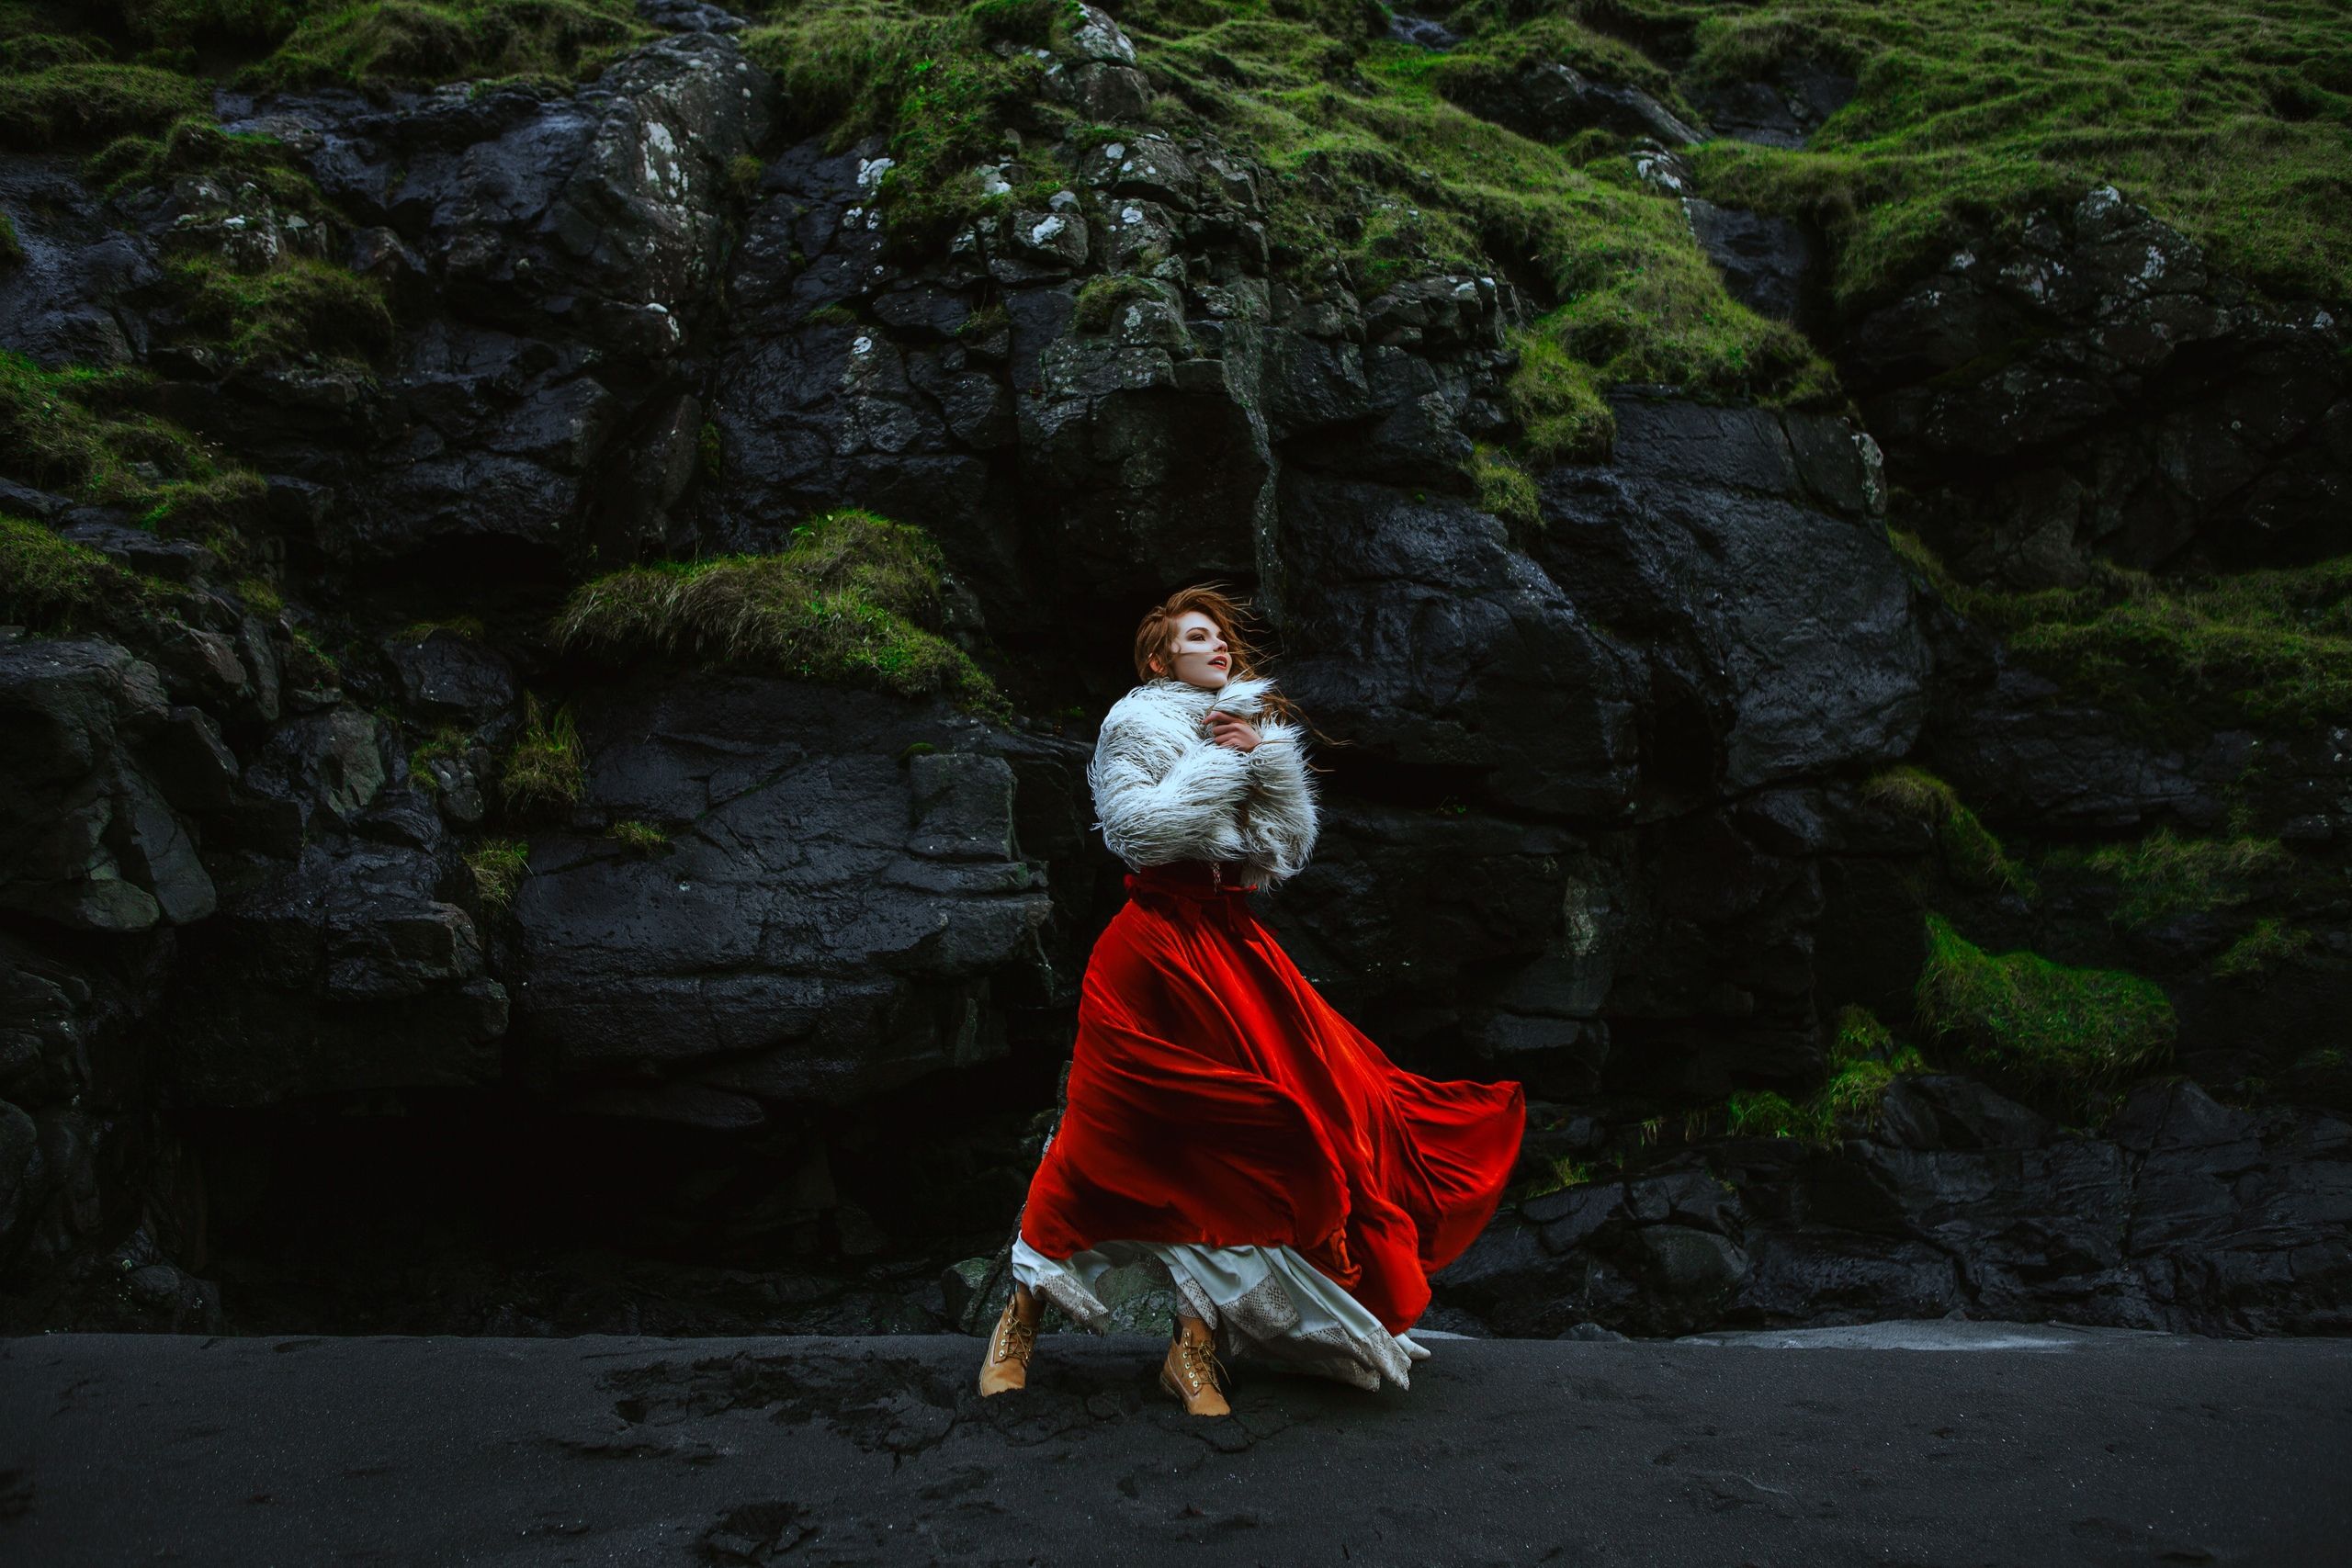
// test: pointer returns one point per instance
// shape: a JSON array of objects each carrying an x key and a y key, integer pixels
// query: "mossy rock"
[
  {"x": 855, "y": 599},
  {"x": 85, "y": 434},
  {"x": 2065, "y": 1035},
  {"x": 89, "y": 101},
  {"x": 2228, "y": 120}
]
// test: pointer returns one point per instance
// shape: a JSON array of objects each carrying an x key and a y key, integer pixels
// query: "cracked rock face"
[
  {"x": 822, "y": 923},
  {"x": 2135, "y": 405}
]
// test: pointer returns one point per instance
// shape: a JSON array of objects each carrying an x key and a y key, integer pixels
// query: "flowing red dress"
[{"x": 1215, "y": 1098}]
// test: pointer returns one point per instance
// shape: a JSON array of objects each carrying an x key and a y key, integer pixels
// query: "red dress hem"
[{"x": 1217, "y": 1098}]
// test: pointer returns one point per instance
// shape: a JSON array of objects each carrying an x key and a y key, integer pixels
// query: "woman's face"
[{"x": 1197, "y": 653}]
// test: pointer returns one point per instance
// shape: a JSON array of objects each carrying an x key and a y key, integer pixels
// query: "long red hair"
[{"x": 1157, "y": 632}]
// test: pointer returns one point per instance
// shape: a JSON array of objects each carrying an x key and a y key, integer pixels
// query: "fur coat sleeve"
[
  {"x": 1280, "y": 819},
  {"x": 1163, "y": 791}
]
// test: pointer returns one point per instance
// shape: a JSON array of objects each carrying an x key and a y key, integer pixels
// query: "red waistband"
[{"x": 1191, "y": 879}]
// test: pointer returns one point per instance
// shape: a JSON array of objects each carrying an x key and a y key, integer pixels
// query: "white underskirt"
[{"x": 1265, "y": 1302}]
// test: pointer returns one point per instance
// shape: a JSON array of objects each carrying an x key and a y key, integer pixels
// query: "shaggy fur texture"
[{"x": 1165, "y": 792}]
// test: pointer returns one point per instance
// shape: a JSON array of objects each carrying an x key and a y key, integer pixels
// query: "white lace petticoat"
[{"x": 1262, "y": 1302}]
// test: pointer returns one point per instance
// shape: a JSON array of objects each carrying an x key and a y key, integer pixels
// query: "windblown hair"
[{"x": 1233, "y": 623}]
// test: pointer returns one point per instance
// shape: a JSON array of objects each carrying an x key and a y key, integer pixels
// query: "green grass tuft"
[
  {"x": 1972, "y": 855},
  {"x": 1766, "y": 1113},
  {"x": 984, "y": 323},
  {"x": 856, "y": 598},
  {"x": 499, "y": 866},
  {"x": 1864, "y": 1060},
  {"x": 1100, "y": 298},
  {"x": 309, "y": 666},
  {"x": 2164, "y": 876},
  {"x": 642, "y": 837},
  {"x": 447, "y": 743},
  {"x": 546, "y": 772},
  {"x": 472, "y": 629},
  {"x": 1557, "y": 1177},
  {"x": 1558, "y": 402},
  {"x": 923, "y": 77},
  {"x": 2040, "y": 1027},
  {"x": 262, "y": 597},
  {"x": 1505, "y": 489},
  {"x": 2269, "y": 943},
  {"x": 743, "y": 172}
]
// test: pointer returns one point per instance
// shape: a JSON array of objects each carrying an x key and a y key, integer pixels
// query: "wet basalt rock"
[
  {"x": 2182, "y": 1215},
  {"x": 1596, "y": 814},
  {"x": 2089, "y": 387},
  {"x": 838, "y": 892}
]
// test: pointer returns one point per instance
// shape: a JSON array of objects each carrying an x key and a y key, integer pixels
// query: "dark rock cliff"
[{"x": 318, "y": 1016}]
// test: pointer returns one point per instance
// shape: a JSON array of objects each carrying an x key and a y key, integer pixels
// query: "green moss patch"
[
  {"x": 91, "y": 101},
  {"x": 2227, "y": 119},
  {"x": 2270, "y": 647},
  {"x": 79, "y": 432},
  {"x": 924, "y": 77},
  {"x": 1381, "y": 176},
  {"x": 1099, "y": 301},
  {"x": 447, "y": 743},
  {"x": 2040, "y": 1027},
  {"x": 50, "y": 585},
  {"x": 856, "y": 598},
  {"x": 1864, "y": 1060},
  {"x": 297, "y": 309},
  {"x": 1972, "y": 855},
  {"x": 196, "y": 144},
  {"x": 450, "y": 40},
  {"x": 2276, "y": 645}
]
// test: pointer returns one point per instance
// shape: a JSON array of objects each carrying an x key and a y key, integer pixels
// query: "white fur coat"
[{"x": 1164, "y": 791}]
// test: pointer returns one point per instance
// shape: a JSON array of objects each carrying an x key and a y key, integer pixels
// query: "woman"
[{"x": 1224, "y": 1124}]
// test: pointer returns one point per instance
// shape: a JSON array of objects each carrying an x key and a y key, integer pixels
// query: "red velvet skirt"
[{"x": 1215, "y": 1098}]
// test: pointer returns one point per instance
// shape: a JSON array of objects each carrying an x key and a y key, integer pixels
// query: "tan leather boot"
[
  {"x": 1010, "y": 1346},
  {"x": 1191, "y": 1371}
]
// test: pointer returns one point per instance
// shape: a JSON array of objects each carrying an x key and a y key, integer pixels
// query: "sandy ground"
[{"x": 1932, "y": 1444}]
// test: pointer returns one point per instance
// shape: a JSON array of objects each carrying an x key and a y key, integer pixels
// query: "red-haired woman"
[{"x": 1225, "y": 1125}]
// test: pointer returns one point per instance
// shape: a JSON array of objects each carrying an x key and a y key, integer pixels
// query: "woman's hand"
[{"x": 1225, "y": 730}]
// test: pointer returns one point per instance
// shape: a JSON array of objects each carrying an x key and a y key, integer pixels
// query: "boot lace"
[
  {"x": 1196, "y": 1362},
  {"x": 1015, "y": 1338}
]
